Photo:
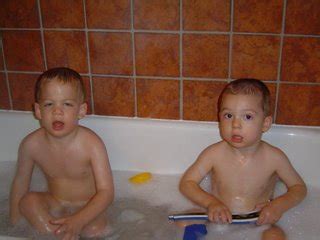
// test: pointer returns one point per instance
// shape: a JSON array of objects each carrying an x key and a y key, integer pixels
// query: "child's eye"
[
  {"x": 248, "y": 117},
  {"x": 68, "y": 104},
  {"x": 228, "y": 115},
  {"x": 47, "y": 104}
]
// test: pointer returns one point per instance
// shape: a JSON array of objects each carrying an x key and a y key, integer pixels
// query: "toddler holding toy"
[
  {"x": 244, "y": 168},
  {"x": 73, "y": 159}
]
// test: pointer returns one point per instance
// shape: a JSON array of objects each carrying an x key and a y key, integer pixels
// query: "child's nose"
[
  {"x": 57, "y": 110},
  {"x": 236, "y": 123}
]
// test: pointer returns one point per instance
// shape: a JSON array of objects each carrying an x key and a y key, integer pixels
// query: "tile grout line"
[
  {"x": 163, "y": 32},
  {"x": 134, "y": 74},
  {"x": 280, "y": 60},
  {"x": 6, "y": 73},
  {"x": 167, "y": 78},
  {"x": 230, "y": 40},
  {"x": 181, "y": 81},
  {"x": 88, "y": 56},
  {"x": 44, "y": 53}
]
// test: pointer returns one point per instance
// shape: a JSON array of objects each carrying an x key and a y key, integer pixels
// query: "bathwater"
[{"x": 140, "y": 212}]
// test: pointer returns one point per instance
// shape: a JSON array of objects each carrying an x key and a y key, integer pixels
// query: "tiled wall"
[{"x": 165, "y": 59}]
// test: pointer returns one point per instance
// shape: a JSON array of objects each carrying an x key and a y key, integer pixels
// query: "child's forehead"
[
  {"x": 242, "y": 96},
  {"x": 59, "y": 80},
  {"x": 55, "y": 86},
  {"x": 245, "y": 100}
]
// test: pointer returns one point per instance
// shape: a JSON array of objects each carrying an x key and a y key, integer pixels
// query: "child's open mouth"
[
  {"x": 57, "y": 125},
  {"x": 236, "y": 138}
]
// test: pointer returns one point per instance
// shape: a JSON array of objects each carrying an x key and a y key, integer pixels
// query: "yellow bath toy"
[{"x": 141, "y": 178}]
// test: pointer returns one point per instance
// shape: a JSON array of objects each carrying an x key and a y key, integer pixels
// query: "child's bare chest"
[
  {"x": 63, "y": 163},
  {"x": 244, "y": 178}
]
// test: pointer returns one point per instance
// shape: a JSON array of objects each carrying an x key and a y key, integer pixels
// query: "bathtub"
[{"x": 167, "y": 148}]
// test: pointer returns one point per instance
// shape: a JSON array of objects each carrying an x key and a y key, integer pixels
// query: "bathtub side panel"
[{"x": 13, "y": 128}]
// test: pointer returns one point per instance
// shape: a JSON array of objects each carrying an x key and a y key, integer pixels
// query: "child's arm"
[
  {"x": 21, "y": 181},
  {"x": 189, "y": 186},
  {"x": 296, "y": 192},
  {"x": 73, "y": 224}
]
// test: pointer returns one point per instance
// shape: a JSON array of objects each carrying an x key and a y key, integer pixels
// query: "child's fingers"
[
  {"x": 216, "y": 217},
  {"x": 211, "y": 216},
  {"x": 73, "y": 237},
  {"x": 223, "y": 217},
  {"x": 69, "y": 236},
  {"x": 60, "y": 230},
  {"x": 260, "y": 206},
  {"x": 229, "y": 216},
  {"x": 58, "y": 221},
  {"x": 220, "y": 216},
  {"x": 261, "y": 219}
]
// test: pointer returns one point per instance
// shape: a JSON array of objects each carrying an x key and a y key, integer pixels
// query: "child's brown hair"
[
  {"x": 62, "y": 74},
  {"x": 248, "y": 86}
]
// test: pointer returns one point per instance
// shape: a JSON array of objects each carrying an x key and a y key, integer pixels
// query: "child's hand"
[
  {"x": 269, "y": 214},
  {"x": 70, "y": 227},
  {"x": 219, "y": 213}
]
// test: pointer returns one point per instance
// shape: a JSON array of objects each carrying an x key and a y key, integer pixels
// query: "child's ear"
[
  {"x": 37, "y": 111},
  {"x": 83, "y": 110},
  {"x": 267, "y": 123}
]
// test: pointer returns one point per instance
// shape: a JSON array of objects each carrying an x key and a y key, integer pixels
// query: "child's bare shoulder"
[
  {"x": 272, "y": 150},
  {"x": 213, "y": 149},
  {"x": 217, "y": 147},
  {"x": 274, "y": 154},
  {"x": 86, "y": 134},
  {"x": 32, "y": 144},
  {"x": 33, "y": 138}
]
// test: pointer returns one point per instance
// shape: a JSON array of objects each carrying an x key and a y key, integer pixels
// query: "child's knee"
[
  {"x": 274, "y": 233},
  {"x": 28, "y": 202},
  {"x": 98, "y": 228}
]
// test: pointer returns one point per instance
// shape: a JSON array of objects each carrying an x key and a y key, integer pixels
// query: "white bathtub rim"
[{"x": 165, "y": 146}]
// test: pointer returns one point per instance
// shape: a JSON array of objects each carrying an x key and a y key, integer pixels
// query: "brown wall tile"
[
  {"x": 86, "y": 82},
  {"x": 66, "y": 49},
  {"x": 158, "y": 98},
  {"x": 255, "y": 57},
  {"x": 1, "y": 58},
  {"x": 273, "y": 92},
  {"x": 302, "y": 17},
  {"x": 111, "y": 53},
  {"x": 23, "y": 50},
  {"x": 157, "y": 14},
  {"x": 62, "y": 13},
  {"x": 200, "y": 100},
  {"x": 299, "y": 105},
  {"x": 204, "y": 52},
  {"x": 4, "y": 96},
  {"x": 258, "y": 16},
  {"x": 301, "y": 60},
  {"x": 108, "y": 14},
  {"x": 19, "y": 14},
  {"x": 113, "y": 96},
  {"x": 205, "y": 55},
  {"x": 22, "y": 91},
  {"x": 206, "y": 15},
  {"x": 157, "y": 54}
]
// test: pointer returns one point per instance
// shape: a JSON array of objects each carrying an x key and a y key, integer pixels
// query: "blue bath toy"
[{"x": 194, "y": 231}]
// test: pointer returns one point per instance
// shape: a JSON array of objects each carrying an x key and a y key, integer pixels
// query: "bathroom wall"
[{"x": 166, "y": 59}]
